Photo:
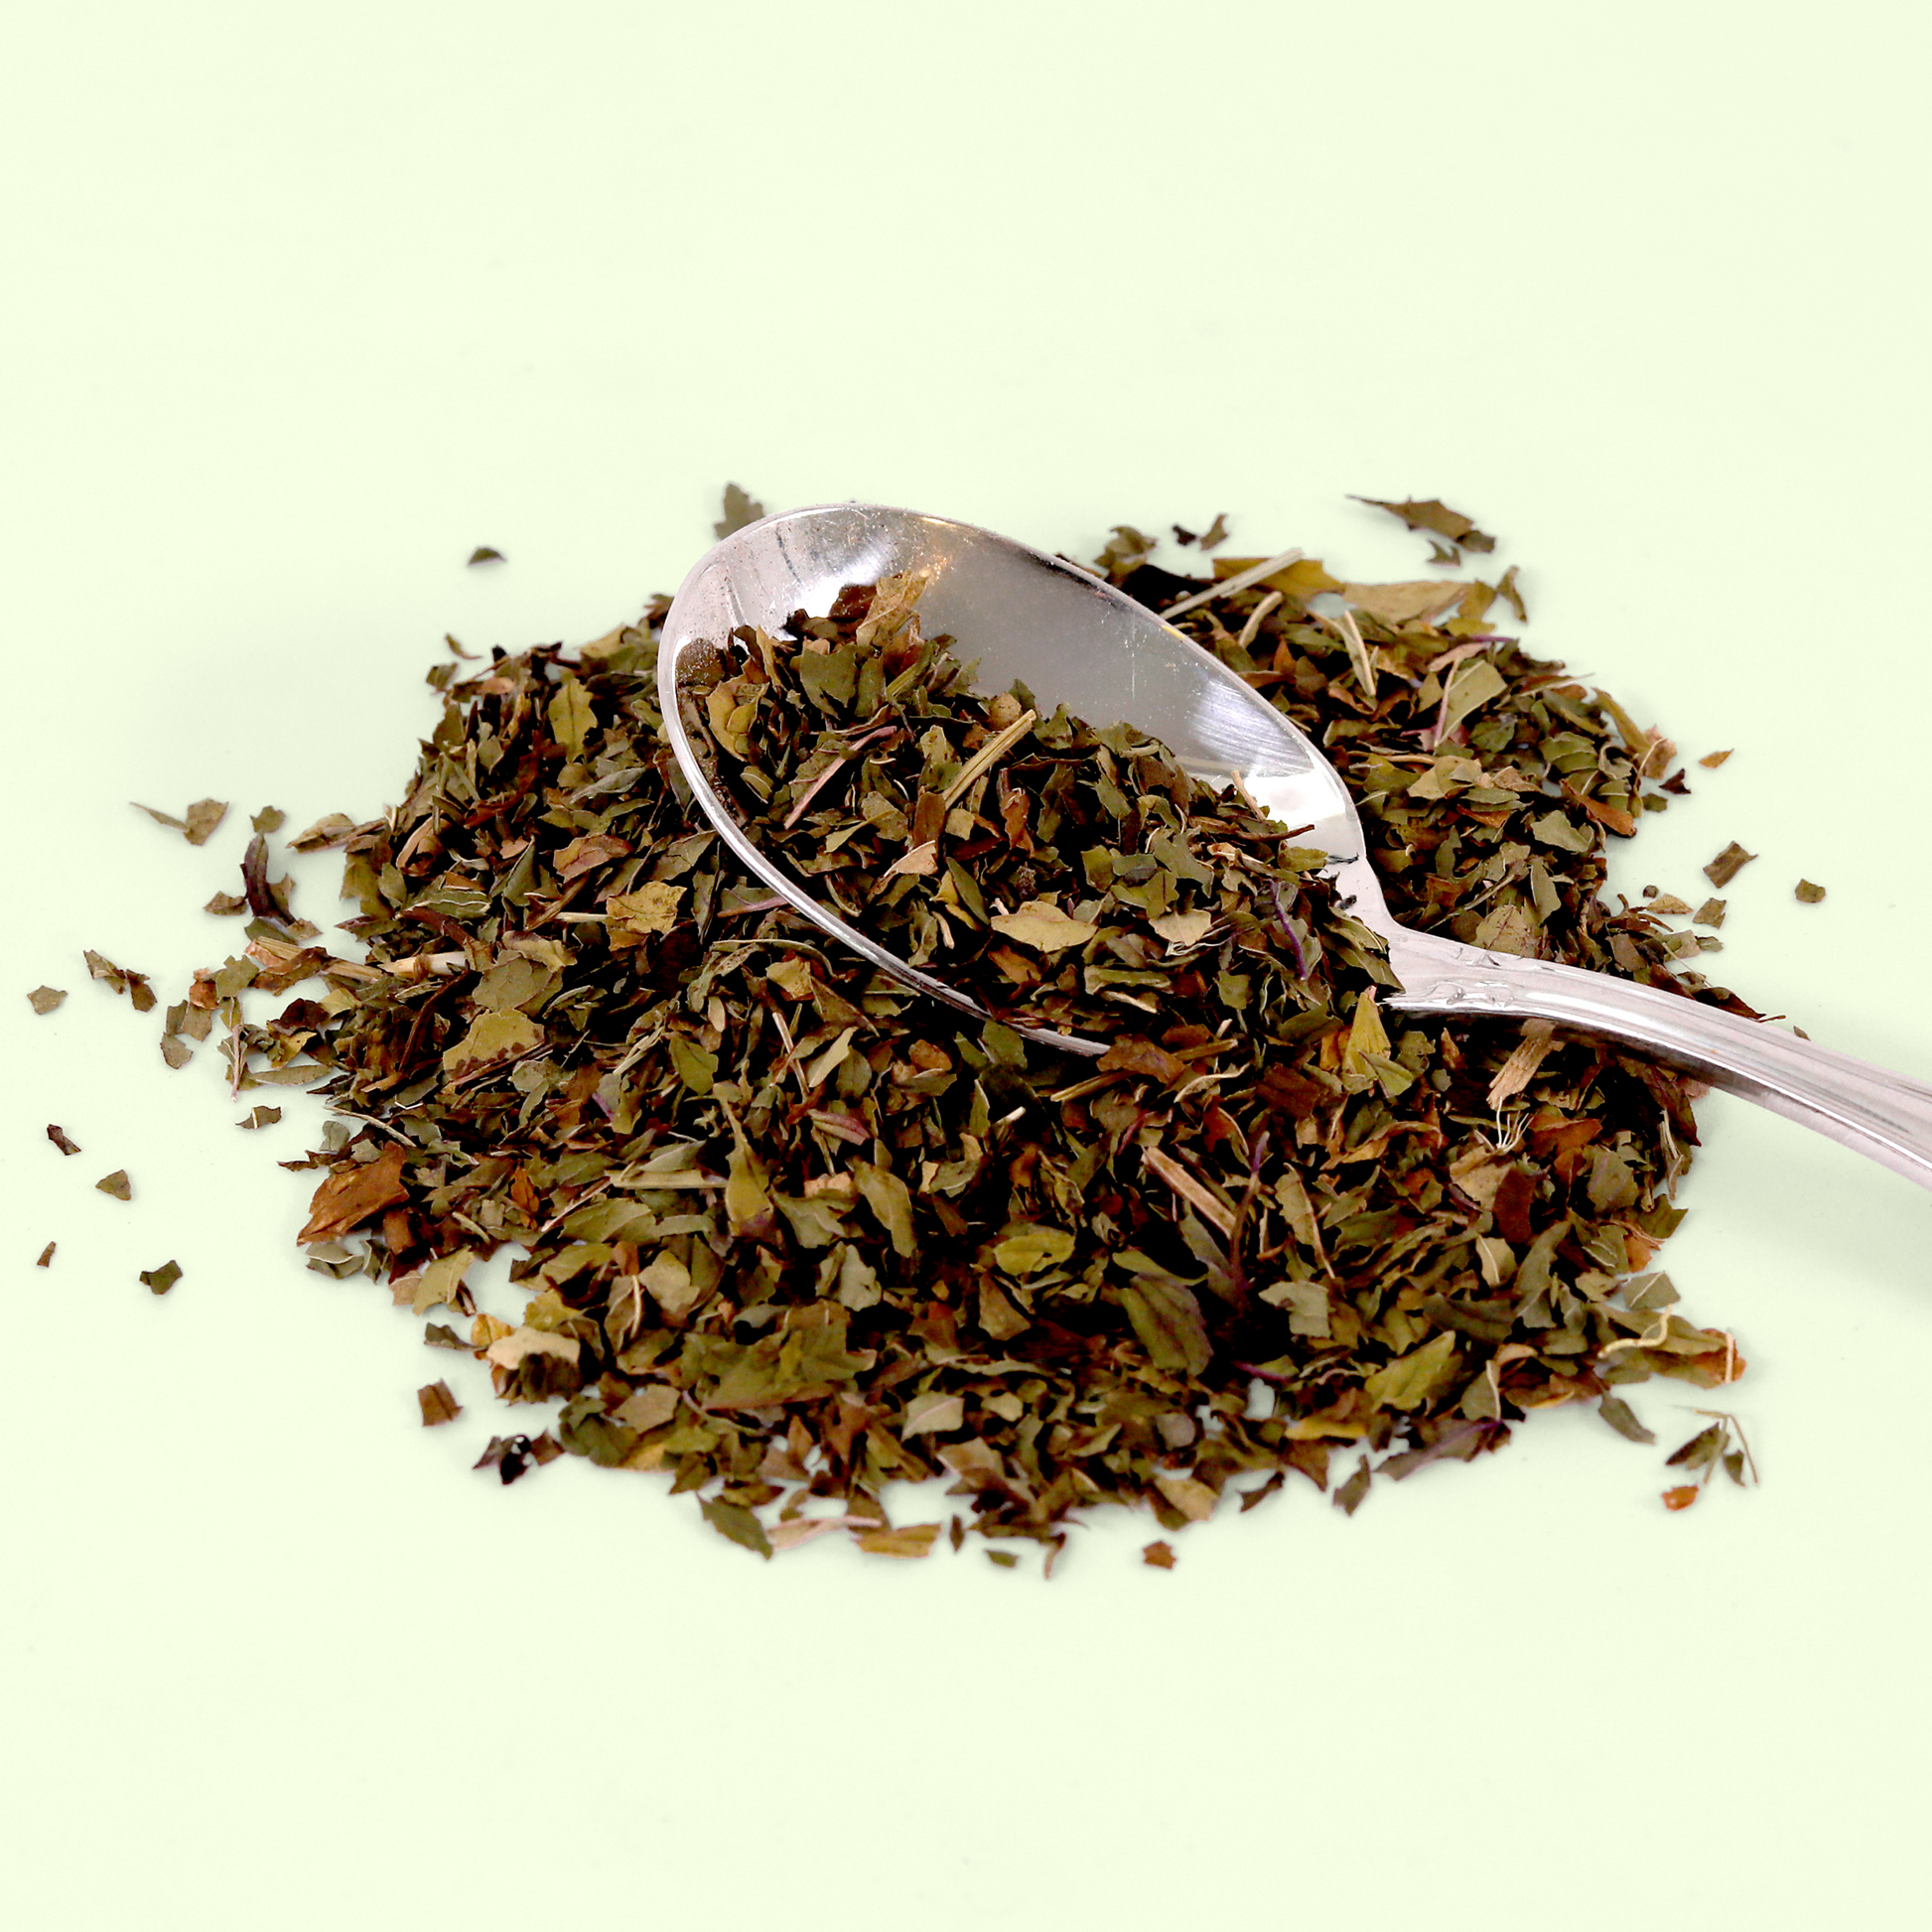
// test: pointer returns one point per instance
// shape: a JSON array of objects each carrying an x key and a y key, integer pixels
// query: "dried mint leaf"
[
  {"x": 199, "y": 825},
  {"x": 484, "y": 554},
  {"x": 161, "y": 1280},
  {"x": 1727, "y": 864},
  {"x": 1436, "y": 518},
  {"x": 116, "y": 1184},
  {"x": 44, "y": 998},
  {"x": 439, "y": 1404},
  {"x": 1807, "y": 893},
  {"x": 740, "y": 510}
]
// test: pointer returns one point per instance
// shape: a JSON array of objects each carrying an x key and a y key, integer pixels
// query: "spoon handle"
[{"x": 1882, "y": 1114}]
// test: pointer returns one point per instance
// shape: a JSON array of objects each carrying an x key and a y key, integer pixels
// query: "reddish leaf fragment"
[
  {"x": 47, "y": 1256},
  {"x": 1681, "y": 1497},
  {"x": 58, "y": 1135},
  {"x": 352, "y": 1194},
  {"x": 1159, "y": 1555}
]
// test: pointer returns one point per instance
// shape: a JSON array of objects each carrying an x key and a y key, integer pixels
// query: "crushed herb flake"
[{"x": 1729, "y": 864}]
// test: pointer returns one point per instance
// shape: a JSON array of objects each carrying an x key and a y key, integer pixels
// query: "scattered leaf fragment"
[
  {"x": 58, "y": 1135},
  {"x": 116, "y": 1184},
  {"x": 261, "y": 1117},
  {"x": 199, "y": 825},
  {"x": 437, "y": 1404},
  {"x": 1159, "y": 1555},
  {"x": 46, "y": 998},
  {"x": 1683, "y": 1496},
  {"x": 1623, "y": 1419},
  {"x": 485, "y": 554},
  {"x": 1436, "y": 518},
  {"x": 1712, "y": 759},
  {"x": 47, "y": 1256},
  {"x": 740, "y": 510},
  {"x": 161, "y": 1280},
  {"x": 1807, "y": 893},
  {"x": 121, "y": 979},
  {"x": 1727, "y": 864}
]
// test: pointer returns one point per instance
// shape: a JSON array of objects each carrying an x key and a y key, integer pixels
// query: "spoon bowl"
[{"x": 1071, "y": 639}]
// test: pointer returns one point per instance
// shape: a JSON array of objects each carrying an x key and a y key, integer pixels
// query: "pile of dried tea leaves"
[{"x": 792, "y": 1234}]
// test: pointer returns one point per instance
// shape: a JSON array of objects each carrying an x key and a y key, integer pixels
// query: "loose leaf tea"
[
  {"x": 791, "y": 1233},
  {"x": 1721, "y": 1445},
  {"x": 47, "y": 1256},
  {"x": 740, "y": 510},
  {"x": 437, "y": 1404},
  {"x": 116, "y": 1184},
  {"x": 483, "y": 554},
  {"x": 121, "y": 979},
  {"x": 199, "y": 825},
  {"x": 1807, "y": 893},
  {"x": 44, "y": 998},
  {"x": 161, "y": 1280},
  {"x": 1438, "y": 517},
  {"x": 1727, "y": 864},
  {"x": 58, "y": 1135}
]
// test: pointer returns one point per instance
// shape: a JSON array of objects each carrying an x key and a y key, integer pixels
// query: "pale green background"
[{"x": 305, "y": 303}]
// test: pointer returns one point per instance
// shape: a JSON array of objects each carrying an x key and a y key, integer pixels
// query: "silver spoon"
[{"x": 1078, "y": 642}]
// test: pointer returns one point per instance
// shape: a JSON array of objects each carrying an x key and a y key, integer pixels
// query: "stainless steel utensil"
[{"x": 1078, "y": 642}]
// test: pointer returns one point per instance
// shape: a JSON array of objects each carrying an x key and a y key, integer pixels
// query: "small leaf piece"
[
  {"x": 46, "y": 998},
  {"x": 116, "y": 1184},
  {"x": 437, "y": 1404},
  {"x": 161, "y": 1280}
]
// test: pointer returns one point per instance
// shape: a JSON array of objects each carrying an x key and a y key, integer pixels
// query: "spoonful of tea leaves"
[{"x": 805, "y": 653}]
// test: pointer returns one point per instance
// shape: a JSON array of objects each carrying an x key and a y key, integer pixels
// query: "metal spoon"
[{"x": 1078, "y": 642}]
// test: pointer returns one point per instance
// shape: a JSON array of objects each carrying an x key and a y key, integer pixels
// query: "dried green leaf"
[
  {"x": 1623, "y": 1419},
  {"x": 115, "y": 1183},
  {"x": 740, "y": 510},
  {"x": 738, "y": 1524},
  {"x": 1436, "y": 518},
  {"x": 160, "y": 1280}
]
